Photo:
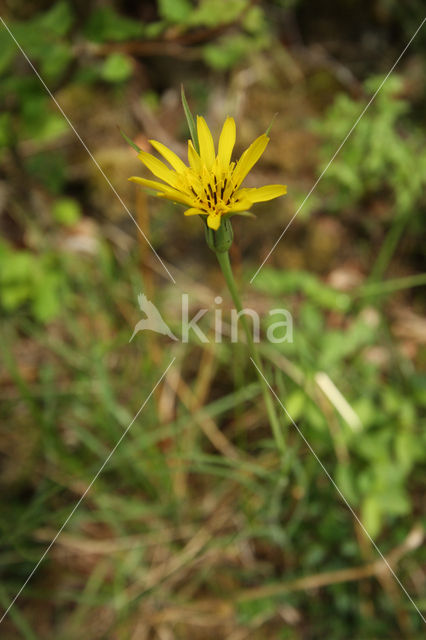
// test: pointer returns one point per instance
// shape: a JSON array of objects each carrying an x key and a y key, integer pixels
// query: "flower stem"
[{"x": 225, "y": 265}]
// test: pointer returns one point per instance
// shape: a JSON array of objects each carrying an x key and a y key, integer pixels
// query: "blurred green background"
[{"x": 196, "y": 529}]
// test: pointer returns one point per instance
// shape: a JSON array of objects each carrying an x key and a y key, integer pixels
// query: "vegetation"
[{"x": 198, "y": 527}]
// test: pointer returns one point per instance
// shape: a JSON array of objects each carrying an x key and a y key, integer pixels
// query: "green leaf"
[
  {"x": 105, "y": 24},
  {"x": 15, "y": 277},
  {"x": 249, "y": 611},
  {"x": 371, "y": 515},
  {"x": 212, "y": 13},
  {"x": 154, "y": 29},
  {"x": 226, "y": 52},
  {"x": 407, "y": 450},
  {"x": 46, "y": 302},
  {"x": 39, "y": 35},
  {"x": 57, "y": 20},
  {"x": 296, "y": 403},
  {"x": 8, "y": 50},
  {"x": 175, "y": 10},
  {"x": 345, "y": 480},
  {"x": 66, "y": 211},
  {"x": 254, "y": 20},
  {"x": 48, "y": 168},
  {"x": 190, "y": 120},
  {"x": 55, "y": 64},
  {"x": 16, "y": 266},
  {"x": 117, "y": 68},
  {"x": 40, "y": 119}
]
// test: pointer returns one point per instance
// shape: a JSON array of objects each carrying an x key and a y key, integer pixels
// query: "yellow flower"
[{"x": 211, "y": 184}]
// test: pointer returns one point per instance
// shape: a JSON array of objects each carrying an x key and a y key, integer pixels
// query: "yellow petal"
[
  {"x": 241, "y": 205},
  {"x": 175, "y": 197},
  {"x": 213, "y": 221},
  {"x": 169, "y": 155},
  {"x": 194, "y": 158},
  {"x": 150, "y": 184},
  {"x": 194, "y": 212},
  {"x": 205, "y": 141},
  {"x": 165, "y": 190},
  {"x": 262, "y": 194},
  {"x": 249, "y": 158},
  {"x": 226, "y": 142},
  {"x": 159, "y": 169}
]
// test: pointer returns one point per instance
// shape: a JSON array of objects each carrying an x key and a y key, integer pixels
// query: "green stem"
[{"x": 225, "y": 265}]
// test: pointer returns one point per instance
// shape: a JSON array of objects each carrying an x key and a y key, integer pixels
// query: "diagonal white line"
[
  {"x": 86, "y": 147},
  {"x": 74, "y": 509},
  {"x": 341, "y": 495},
  {"x": 340, "y": 146}
]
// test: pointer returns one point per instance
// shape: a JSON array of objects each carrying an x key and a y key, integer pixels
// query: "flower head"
[{"x": 211, "y": 184}]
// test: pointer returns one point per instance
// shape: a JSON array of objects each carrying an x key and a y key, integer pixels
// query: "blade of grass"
[
  {"x": 190, "y": 120},
  {"x": 18, "y": 619},
  {"x": 129, "y": 141},
  {"x": 389, "y": 286}
]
